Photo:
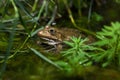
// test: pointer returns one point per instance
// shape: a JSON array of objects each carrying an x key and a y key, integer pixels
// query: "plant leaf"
[{"x": 45, "y": 58}]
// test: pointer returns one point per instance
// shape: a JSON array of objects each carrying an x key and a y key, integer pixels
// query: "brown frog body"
[
  {"x": 59, "y": 34},
  {"x": 55, "y": 36}
]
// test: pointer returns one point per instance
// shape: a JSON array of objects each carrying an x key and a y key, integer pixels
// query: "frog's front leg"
[{"x": 58, "y": 48}]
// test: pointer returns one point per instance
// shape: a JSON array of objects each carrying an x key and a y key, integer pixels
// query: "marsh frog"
[{"x": 56, "y": 36}]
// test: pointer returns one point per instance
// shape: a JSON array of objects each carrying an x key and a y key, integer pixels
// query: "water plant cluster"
[
  {"x": 104, "y": 52},
  {"x": 20, "y": 20}
]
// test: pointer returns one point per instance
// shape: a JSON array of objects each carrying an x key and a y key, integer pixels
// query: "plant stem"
[{"x": 73, "y": 21}]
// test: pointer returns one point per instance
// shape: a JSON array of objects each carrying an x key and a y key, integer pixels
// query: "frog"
[{"x": 55, "y": 36}]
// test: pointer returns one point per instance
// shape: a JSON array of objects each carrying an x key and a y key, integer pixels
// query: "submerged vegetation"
[
  {"x": 105, "y": 51},
  {"x": 21, "y": 57}
]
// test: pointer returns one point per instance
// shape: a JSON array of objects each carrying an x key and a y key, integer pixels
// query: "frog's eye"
[{"x": 52, "y": 31}]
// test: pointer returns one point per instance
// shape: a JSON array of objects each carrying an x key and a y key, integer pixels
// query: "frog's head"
[{"x": 50, "y": 33}]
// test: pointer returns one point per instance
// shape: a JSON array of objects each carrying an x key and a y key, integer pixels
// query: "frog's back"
[{"x": 69, "y": 32}]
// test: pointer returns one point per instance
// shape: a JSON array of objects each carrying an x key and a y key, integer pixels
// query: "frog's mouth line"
[{"x": 50, "y": 41}]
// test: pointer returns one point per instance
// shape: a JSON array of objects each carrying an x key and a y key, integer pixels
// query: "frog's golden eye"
[{"x": 52, "y": 31}]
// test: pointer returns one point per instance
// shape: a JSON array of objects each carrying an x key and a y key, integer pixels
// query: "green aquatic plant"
[
  {"x": 78, "y": 50},
  {"x": 109, "y": 41},
  {"x": 22, "y": 19},
  {"x": 77, "y": 55},
  {"x": 45, "y": 58},
  {"x": 104, "y": 52}
]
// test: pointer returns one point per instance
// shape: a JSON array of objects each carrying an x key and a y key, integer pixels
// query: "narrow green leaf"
[
  {"x": 105, "y": 64},
  {"x": 22, "y": 7},
  {"x": 3, "y": 43},
  {"x": 6, "y": 9},
  {"x": 23, "y": 23},
  {"x": 2, "y": 26},
  {"x": 45, "y": 58},
  {"x": 35, "y": 32}
]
